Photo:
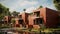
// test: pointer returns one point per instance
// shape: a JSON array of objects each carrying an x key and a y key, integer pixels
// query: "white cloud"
[
  {"x": 3, "y": 1},
  {"x": 28, "y": 3},
  {"x": 22, "y": 4},
  {"x": 29, "y": 10},
  {"x": 15, "y": 5}
]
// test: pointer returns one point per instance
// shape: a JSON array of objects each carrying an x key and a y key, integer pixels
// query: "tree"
[
  {"x": 24, "y": 9},
  {"x": 57, "y": 4},
  {"x": 3, "y": 11},
  {"x": 40, "y": 6},
  {"x": 7, "y": 12},
  {"x": 13, "y": 20},
  {"x": 14, "y": 13},
  {"x": 2, "y": 8}
]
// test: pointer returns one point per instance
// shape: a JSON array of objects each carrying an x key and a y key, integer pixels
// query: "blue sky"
[{"x": 29, "y": 5}]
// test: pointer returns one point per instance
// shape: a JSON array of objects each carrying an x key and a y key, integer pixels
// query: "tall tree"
[
  {"x": 57, "y": 4},
  {"x": 2, "y": 8},
  {"x": 3, "y": 11}
]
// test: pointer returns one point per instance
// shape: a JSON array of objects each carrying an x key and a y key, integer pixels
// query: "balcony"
[{"x": 36, "y": 14}]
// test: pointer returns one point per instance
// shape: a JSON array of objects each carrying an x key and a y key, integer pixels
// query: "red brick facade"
[
  {"x": 7, "y": 19},
  {"x": 44, "y": 16}
]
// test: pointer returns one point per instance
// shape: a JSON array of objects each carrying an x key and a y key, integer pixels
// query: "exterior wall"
[
  {"x": 51, "y": 18},
  {"x": 30, "y": 20},
  {"x": 58, "y": 19},
  {"x": 25, "y": 17},
  {"x": 43, "y": 14},
  {"x": 7, "y": 19}
]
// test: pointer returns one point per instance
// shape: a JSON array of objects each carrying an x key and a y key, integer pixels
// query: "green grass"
[
  {"x": 47, "y": 30},
  {"x": 34, "y": 30}
]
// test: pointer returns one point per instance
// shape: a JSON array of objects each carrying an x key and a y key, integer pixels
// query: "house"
[
  {"x": 7, "y": 19},
  {"x": 39, "y": 17},
  {"x": 44, "y": 16}
]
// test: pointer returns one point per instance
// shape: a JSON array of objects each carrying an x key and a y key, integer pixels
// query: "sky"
[{"x": 29, "y": 5}]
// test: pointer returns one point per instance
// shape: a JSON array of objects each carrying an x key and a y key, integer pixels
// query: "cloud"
[
  {"x": 28, "y": 3},
  {"x": 22, "y": 4},
  {"x": 19, "y": 5},
  {"x": 29, "y": 10}
]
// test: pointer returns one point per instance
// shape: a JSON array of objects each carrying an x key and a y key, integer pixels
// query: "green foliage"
[
  {"x": 4, "y": 26},
  {"x": 57, "y": 4},
  {"x": 40, "y": 6},
  {"x": 4, "y": 11},
  {"x": 14, "y": 13},
  {"x": 24, "y": 9},
  {"x": 13, "y": 20},
  {"x": 2, "y": 8}
]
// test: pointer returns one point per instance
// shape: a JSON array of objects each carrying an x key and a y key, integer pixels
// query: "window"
[
  {"x": 20, "y": 21},
  {"x": 37, "y": 13},
  {"x": 38, "y": 21},
  {"x": 41, "y": 20}
]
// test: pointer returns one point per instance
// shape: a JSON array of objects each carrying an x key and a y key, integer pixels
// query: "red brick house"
[
  {"x": 45, "y": 16},
  {"x": 39, "y": 17},
  {"x": 7, "y": 19}
]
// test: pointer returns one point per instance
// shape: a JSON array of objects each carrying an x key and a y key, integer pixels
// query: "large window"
[{"x": 38, "y": 21}]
